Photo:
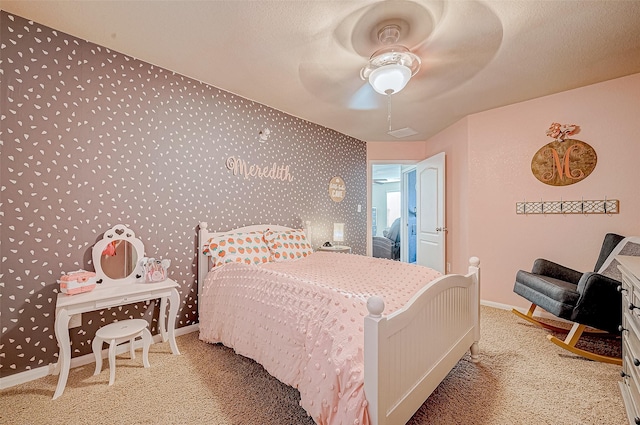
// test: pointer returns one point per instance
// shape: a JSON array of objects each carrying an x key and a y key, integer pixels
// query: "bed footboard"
[{"x": 408, "y": 353}]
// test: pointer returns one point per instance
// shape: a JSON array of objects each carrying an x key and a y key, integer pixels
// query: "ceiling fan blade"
[
  {"x": 366, "y": 98},
  {"x": 342, "y": 87},
  {"x": 358, "y": 32},
  {"x": 335, "y": 86},
  {"x": 337, "y": 80},
  {"x": 456, "y": 51}
]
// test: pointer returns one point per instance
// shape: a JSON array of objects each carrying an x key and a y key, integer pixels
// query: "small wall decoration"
[
  {"x": 337, "y": 189},
  {"x": 263, "y": 135},
  {"x": 584, "y": 206},
  {"x": 239, "y": 167},
  {"x": 564, "y": 161}
]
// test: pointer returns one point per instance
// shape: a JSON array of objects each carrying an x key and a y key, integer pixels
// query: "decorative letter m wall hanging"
[{"x": 563, "y": 161}]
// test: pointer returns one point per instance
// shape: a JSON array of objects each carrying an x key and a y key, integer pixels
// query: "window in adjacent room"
[{"x": 393, "y": 207}]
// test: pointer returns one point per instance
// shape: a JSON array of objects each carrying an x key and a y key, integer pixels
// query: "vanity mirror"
[{"x": 115, "y": 256}]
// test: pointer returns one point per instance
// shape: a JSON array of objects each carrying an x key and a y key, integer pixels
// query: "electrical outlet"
[
  {"x": 75, "y": 321},
  {"x": 359, "y": 208},
  {"x": 448, "y": 267}
]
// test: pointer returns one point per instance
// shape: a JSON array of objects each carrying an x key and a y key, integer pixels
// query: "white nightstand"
[{"x": 336, "y": 248}]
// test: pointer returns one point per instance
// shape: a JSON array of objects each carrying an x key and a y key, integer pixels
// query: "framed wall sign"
[{"x": 337, "y": 189}]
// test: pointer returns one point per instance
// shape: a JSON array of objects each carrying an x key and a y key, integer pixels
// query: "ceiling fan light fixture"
[
  {"x": 389, "y": 79},
  {"x": 391, "y": 67}
]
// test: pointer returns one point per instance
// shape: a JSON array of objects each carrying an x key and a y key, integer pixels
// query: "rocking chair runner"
[{"x": 588, "y": 299}]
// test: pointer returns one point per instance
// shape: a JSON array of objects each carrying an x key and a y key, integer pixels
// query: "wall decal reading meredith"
[{"x": 276, "y": 172}]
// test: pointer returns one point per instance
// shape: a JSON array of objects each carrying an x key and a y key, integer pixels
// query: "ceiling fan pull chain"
[{"x": 389, "y": 110}]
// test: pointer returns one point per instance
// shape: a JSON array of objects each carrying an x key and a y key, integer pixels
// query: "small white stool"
[{"x": 116, "y": 333}]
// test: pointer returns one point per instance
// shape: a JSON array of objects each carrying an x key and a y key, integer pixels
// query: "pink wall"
[
  {"x": 453, "y": 141},
  {"x": 395, "y": 151},
  {"x": 501, "y": 144},
  {"x": 489, "y": 170}
]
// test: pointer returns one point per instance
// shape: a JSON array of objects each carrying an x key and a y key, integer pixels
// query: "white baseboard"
[
  {"x": 499, "y": 306},
  {"x": 41, "y": 372},
  {"x": 538, "y": 313},
  {"x": 26, "y": 376},
  {"x": 188, "y": 329}
]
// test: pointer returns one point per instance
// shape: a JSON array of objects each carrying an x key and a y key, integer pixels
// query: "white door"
[{"x": 431, "y": 213}]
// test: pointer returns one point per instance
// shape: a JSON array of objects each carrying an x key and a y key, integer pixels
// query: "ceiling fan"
[
  {"x": 391, "y": 67},
  {"x": 409, "y": 50},
  {"x": 371, "y": 36}
]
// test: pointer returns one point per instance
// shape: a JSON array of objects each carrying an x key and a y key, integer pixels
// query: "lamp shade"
[
  {"x": 389, "y": 79},
  {"x": 338, "y": 232}
]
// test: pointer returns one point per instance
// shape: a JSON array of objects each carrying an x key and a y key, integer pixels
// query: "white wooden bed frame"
[{"x": 408, "y": 353}]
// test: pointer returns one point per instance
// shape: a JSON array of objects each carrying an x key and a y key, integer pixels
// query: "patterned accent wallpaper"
[{"x": 92, "y": 138}]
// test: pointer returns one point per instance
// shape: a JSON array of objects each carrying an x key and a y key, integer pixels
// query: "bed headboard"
[{"x": 205, "y": 234}]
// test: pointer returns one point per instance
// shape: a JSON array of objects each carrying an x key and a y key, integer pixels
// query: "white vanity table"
[{"x": 114, "y": 291}]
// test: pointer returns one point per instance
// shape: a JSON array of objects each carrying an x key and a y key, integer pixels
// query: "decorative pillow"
[
  {"x": 249, "y": 248},
  {"x": 287, "y": 245}
]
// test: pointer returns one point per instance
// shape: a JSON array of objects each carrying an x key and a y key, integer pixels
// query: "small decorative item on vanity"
[
  {"x": 154, "y": 270},
  {"x": 77, "y": 282}
]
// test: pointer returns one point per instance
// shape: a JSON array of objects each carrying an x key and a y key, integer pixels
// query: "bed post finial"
[
  {"x": 375, "y": 305},
  {"x": 203, "y": 225},
  {"x": 474, "y": 261}
]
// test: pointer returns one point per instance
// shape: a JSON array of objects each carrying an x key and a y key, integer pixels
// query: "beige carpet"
[{"x": 522, "y": 379}]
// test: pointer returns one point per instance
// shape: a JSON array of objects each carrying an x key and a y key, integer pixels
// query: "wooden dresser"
[{"x": 630, "y": 385}]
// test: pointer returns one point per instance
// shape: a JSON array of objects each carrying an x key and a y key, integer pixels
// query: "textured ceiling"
[{"x": 304, "y": 57}]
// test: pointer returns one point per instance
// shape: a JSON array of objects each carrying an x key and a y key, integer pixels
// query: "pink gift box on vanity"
[{"x": 77, "y": 282}]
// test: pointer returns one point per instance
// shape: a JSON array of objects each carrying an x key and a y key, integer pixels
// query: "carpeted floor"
[{"x": 521, "y": 379}]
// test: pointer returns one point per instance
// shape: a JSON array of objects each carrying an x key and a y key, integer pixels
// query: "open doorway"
[
  {"x": 393, "y": 212},
  {"x": 409, "y": 202}
]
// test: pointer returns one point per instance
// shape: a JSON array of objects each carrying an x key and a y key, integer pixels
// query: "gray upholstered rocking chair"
[
  {"x": 588, "y": 299},
  {"x": 388, "y": 246}
]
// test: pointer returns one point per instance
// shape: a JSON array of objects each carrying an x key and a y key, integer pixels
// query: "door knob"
[{"x": 441, "y": 229}]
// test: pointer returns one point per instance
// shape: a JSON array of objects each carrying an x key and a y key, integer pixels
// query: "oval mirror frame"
[{"x": 118, "y": 232}]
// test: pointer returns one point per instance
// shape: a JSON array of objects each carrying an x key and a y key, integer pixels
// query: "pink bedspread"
[{"x": 303, "y": 321}]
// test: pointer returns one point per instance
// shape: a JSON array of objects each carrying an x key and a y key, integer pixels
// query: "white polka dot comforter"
[{"x": 303, "y": 321}]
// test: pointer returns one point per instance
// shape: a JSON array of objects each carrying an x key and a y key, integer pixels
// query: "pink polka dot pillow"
[
  {"x": 248, "y": 248},
  {"x": 287, "y": 245}
]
